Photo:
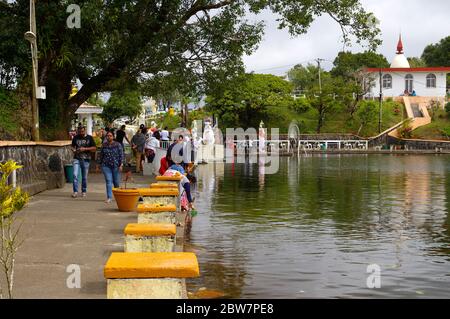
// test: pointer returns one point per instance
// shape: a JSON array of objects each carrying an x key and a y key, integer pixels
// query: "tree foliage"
[
  {"x": 329, "y": 98},
  {"x": 437, "y": 54},
  {"x": 346, "y": 64},
  {"x": 303, "y": 77},
  {"x": 251, "y": 98},
  {"x": 122, "y": 103},
  {"x": 367, "y": 113},
  {"x": 201, "y": 42},
  {"x": 416, "y": 62}
]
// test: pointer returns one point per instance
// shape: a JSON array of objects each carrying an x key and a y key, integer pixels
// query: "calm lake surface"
[{"x": 312, "y": 229}]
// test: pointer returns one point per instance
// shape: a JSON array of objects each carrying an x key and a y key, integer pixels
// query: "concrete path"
[{"x": 59, "y": 231}]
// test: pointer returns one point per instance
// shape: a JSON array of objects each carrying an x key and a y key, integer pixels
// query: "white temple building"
[{"x": 400, "y": 78}]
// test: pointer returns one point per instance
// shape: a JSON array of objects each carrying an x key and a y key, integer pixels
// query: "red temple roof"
[{"x": 445, "y": 69}]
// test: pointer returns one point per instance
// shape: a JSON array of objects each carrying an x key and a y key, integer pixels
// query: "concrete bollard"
[
  {"x": 149, "y": 238},
  {"x": 169, "y": 179},
  {"x": 149, "y": 275},
  {"x": 164, "y": 186},
  {"x": 169, "y": 196},
  {"x": 156, "y": 213}
]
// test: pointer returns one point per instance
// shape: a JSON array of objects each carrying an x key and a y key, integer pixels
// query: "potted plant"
[{"x": 126, "y": 198}]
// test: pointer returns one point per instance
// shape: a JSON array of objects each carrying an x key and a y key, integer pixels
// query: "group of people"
[
  {"x": 173, "y": 164},
  {"x": 145, "y": 142},
  {"x": 111, "y": 158},
  {"x": 406, "y": 93}
]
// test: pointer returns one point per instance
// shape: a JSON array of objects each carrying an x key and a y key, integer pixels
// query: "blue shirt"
[{"x": 111, "y": 155}]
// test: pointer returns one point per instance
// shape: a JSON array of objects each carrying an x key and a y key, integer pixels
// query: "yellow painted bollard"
[
  {"x": 149, "y": 275},
  {"x": 156, "y": 213},
  {"x": 169, "y": 196},
  {"x": 163, "y": 186},
  {"x": 150, "y": 237},
  {"x": 169, "y": 179}
]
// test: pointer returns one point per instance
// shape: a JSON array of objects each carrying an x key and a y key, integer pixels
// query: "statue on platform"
[
  {"x": 141, "y": 118},
  {"x": 262, "y": 138},
  {"x": 208, "y": 134}
]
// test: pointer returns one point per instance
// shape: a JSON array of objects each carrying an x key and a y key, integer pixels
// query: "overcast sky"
[{"x": 421, "y": 22}]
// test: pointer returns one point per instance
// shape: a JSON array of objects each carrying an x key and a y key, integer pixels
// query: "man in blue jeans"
[{"x": 82, "y": 146}]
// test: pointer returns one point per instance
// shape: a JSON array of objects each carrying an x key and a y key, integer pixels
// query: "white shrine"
[{"x": 400, "y": 79}]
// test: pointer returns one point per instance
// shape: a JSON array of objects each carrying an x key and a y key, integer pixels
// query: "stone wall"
[
  {"x": 414, "y": 144},
  {"x": 43, "y": 163}
]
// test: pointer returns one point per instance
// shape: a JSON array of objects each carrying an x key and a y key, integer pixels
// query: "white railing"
[
  {"x": 338, "y": 144},
  {"x": 269, "y": 144}
]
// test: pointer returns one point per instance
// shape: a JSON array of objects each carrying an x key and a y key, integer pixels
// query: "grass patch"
[
  {"x": 341, "y": 122},
  {"x": 438, "y": 129}
]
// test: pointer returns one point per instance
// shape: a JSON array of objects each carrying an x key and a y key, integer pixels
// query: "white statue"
[
  {"x": 262, "y": 138},
  {"x": 194, "y": 130},
  {"x": 208, "y": 134}
]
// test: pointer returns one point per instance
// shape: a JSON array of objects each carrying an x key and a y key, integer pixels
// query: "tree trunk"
[
  {"x": 186, "y": 115},
  {"x": 55, "y": 116},
  {"x": 182, "y": 115},
  {"x": 320, "y": 120}
]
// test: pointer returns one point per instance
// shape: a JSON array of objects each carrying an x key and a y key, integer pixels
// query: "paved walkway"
[{"x": 59, "y": 231}]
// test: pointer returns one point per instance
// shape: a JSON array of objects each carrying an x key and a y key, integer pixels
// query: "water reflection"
[{"x": 312, "y": 229}]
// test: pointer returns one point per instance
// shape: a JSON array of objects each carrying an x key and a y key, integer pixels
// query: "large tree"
[
  {"x": 250, "y": 98},
  {"x": 346, "y": 64},
  {"x": 331, "y": 96},
  {"x": 303, "y": 77},
  {"x": 350, "y": 66},
  {"x": 202, "y": 41},
  {"x": 438, "y": 55}
]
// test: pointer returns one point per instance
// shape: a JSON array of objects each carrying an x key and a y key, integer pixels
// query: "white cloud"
[{"x": 420, "y": 22}]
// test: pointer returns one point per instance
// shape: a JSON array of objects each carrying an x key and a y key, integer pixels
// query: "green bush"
[
  {"x": 405, "y": 130},
  {"x": 447, "y": 108},
  {"x": 9, "y": 105},
  {"x": 300, "y": 105},
  {"x": 445, "y": 131}
]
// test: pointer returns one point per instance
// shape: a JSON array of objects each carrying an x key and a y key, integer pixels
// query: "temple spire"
[{"x": 400, "y": 45}]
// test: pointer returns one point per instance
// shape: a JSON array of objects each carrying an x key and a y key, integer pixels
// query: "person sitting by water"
[{"x": 186, "y": 198}]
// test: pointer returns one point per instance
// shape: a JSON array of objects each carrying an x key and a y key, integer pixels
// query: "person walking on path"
[
  {"x": 111, "y": 160},
  {"x": 82, "y": 146},
  {"x": 138, "y": 144},
  {"x": 150, "y": 147},
  {"x": 121, "y": 134},
  {"x": 165, "y": 134}
]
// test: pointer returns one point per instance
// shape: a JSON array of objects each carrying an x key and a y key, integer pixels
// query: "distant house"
[{"x": 400, "y": 78}]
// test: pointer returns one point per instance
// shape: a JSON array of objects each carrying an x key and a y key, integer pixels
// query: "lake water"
[{"x": 312, "y": 229}]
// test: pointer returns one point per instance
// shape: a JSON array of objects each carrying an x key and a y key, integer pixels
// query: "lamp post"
[{"x": 31, "y": 37}]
